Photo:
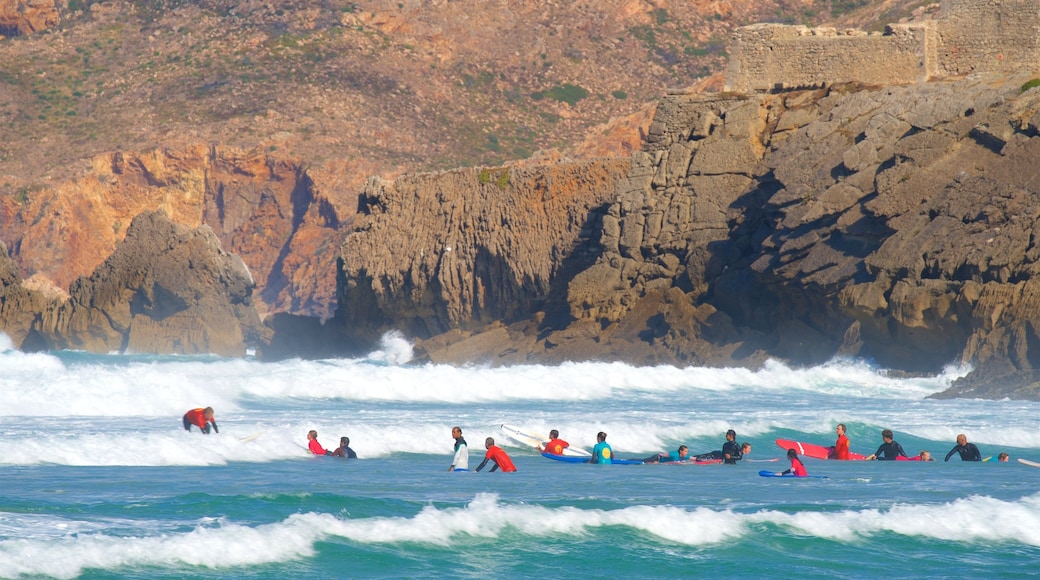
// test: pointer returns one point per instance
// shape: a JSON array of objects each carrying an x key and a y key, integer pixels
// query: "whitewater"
[{"x": 99, "y": 480}]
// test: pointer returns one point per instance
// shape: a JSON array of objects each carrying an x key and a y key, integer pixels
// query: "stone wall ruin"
[{"x": 968, "y": 36}]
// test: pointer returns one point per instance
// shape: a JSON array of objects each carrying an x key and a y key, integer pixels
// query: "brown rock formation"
[
  {"x": 284, "y": 221},
  {"x": 455, "y": 251},
  {"x": 20, "y": 307},
  {"x": 166, "y": 289},
  {"x": 19, "y": 17},
  {"x": 894, "y": 224}
]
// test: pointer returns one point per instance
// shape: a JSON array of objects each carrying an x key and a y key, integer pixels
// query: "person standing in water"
[
  {"x": 201, "y": 418},
  {"x": 344, "y": 449},
  {"x": 498, "y": 456},
  {"x": 460, "y": 461},
  {"x": 841, "y": 446},
  {"x": 889, "y": 449},
  {"x": 731, "y": 452},
  {"x": 967, "y": 451},
  {"x": 602, "y": 453}
]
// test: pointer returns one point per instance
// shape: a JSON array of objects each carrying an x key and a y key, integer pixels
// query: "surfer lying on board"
[
  {"x": 679, "y": 455},
  {"x": 797, "y": 467},
  {"x": 889, "y": 450},
  {"x": 496, "y": 455},
  {"x": 555, "y": 445},
  {"x": 314, "y": 446},
  {"x": 201, "y": 418},
  {"x": 967, "y": 451}
]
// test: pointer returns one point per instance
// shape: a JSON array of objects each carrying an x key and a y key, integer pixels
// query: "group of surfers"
[
  {"x": 731, "y": 452},
  {"x": 601, "y": 453}
]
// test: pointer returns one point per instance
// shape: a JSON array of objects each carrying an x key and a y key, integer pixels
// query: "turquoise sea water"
[{"x": 99, "y": 480}]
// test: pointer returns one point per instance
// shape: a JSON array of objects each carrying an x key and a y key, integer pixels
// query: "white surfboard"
[
  {"x": 1028, "y": 462},
  {"x": 250, "y": 437},
  {"x": 528, "y": 440}
]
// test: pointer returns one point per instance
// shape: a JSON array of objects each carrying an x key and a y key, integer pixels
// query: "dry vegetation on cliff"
[{"x": 381, "y": 85}]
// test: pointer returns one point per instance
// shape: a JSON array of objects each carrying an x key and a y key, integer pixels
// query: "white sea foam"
[
  {"x": 222, "y": 545},
  {"x": 42, "y": 385}
]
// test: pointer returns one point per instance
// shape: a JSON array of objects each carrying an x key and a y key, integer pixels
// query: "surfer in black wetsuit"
[
  {"x": 967, "y": 451},
  {"x": 730, "y": 449},
  {"x": 731, "y": 452},
  {"x": 889, "y": 450}
]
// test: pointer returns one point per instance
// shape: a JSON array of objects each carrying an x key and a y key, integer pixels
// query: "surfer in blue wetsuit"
[
  {"x": 679, "y": 455},
  {"x": 967, "y": 451},
  {"x": 460, "y": 462},
  {"x": 889, "y": 450},
  {"x": 602, "y": 453}
]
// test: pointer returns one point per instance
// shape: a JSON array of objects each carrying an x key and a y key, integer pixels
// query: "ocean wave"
[
  {"x": 217, "y": 544},
  {"x": 46, "y": 385}
]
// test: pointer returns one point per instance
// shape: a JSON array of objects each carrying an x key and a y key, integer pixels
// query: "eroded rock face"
[
  {"x": 20, "y": 17},
  {"x": 166, "y": 289},
  {"x": 20, "y": 307},
  {"x": 462, "y": 249},
  {"x": 284, "y": 221},
  {"x": 894, "y": 224}
]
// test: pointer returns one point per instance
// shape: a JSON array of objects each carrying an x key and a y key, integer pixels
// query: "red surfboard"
[{"x": 811, "y": 450}]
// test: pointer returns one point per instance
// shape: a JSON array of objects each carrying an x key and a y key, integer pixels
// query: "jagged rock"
[
  {"x": 20, "y": 306},
  {"x": 20, "y": 17},
  {"x": 166, "y": 289},
  {"x": 886, "y": 226},
  {"x": 461, "y": 249}
]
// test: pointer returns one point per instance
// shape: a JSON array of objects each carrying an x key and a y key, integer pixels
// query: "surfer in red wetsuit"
[
  {"x": 201, "y": 418},
  {"x": 497, "y": 455},
  {"x": 797, "y": 467},
  {"x": 555, "y": 446},
  {"x": 841, "y": 446},
  {"x": 314, "y": 446}
]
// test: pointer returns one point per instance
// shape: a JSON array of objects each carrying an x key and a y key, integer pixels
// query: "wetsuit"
[
  {"x": 461, "y": 460},
  {"x": 556, "y": 446},
  {"x": 197, "y": 417},
  {"x": 841, "y": 448},
  {"x": 732, "y": 449},
  {"x": 709, "y": 456},
  {"x": 671, "y": 457},
  {"x": 602, "y": 453},
  {"x": 889, "y": 451},
  {"x": 968, "y": 452},
  {"x": 797, "y": 468},
  {"x": 345, "y": 451},
  {"x": 499, "y": 457}
]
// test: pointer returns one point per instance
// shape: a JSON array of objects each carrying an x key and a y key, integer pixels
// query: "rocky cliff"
[
  {"x": 895, "y": 224},
  {"x": 167, "y": 288}
]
